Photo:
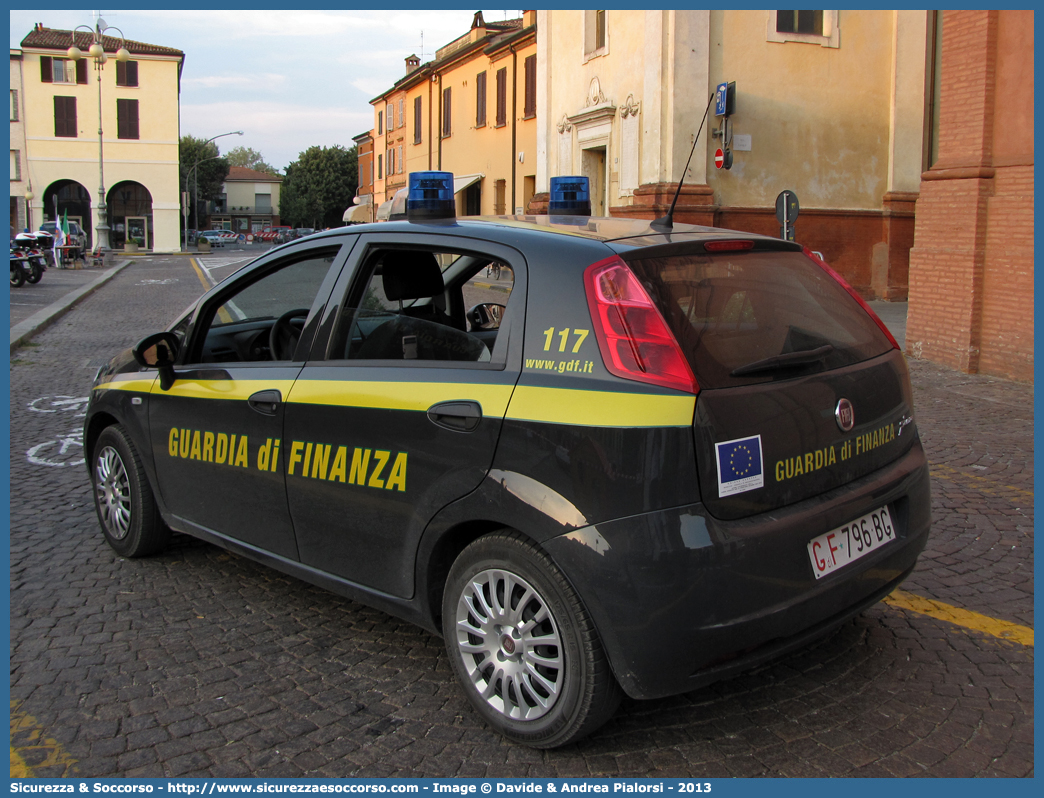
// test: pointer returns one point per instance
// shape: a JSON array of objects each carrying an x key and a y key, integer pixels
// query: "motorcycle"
[
  {"x": 31, "y": 247},
  {"x": 18, "y": 267}
]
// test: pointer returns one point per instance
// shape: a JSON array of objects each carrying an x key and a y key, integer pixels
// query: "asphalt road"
[{"x": 197, "y": 662}]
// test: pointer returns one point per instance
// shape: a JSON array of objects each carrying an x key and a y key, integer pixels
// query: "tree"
[
  {"x": 210, "y": 173},
  {"x": 319, "y": 186},
  {"x": 251, "y": 159}
]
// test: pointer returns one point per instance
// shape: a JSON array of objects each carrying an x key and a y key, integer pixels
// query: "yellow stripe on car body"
[
  {"x": 417, "y": 396},
  {"x": 232, "y": 390},
  {"x": 134, "y": 383},
  {"x": 522, "y": 403},
  {"x": 601, "y": 408}
]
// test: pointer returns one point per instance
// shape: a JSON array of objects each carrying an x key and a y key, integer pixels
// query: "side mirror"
[
  {"x": 486, "y": 316},
  {"x": 159, "y": 351}
]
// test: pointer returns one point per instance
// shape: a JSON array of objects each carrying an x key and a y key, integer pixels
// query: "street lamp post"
[
  {"x": 196, "y": 183},
  {"x": 96, "y": 50},
  {"x": 29, "y": 207}
]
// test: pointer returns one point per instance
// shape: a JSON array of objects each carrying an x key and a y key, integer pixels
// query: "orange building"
[
  {"x": 971, "y": 266},
  {"x": 470, "y": 111}
]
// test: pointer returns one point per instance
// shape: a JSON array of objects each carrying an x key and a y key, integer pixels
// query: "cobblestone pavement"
[{"x": 197, "y": 662}]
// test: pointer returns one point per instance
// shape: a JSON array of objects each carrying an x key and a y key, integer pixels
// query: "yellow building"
[
  {"x": 19, "y": 173},
  {"x": 138, "y": 101},
  {"x": 471, "y": 111},
  {"x": 249, "y": 201},
  {"x": 829, "y": 104}
]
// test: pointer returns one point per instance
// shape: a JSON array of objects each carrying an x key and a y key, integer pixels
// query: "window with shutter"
[
  {"x": 501, "y": 97},
  {"x": 417, "y": 120},
  {"x": 400, "y": 160},
  {"x": 127, "y": 119},
  {"x": 61, "y": 70},
  {"x": 402, "y": 112},
  {"x": 380, "y": 123},
  {"x": 126, "y": 73},
  {"x": 480, "y": 99},
  {"x": 530, "y": 107},
  {"x": 65, "y": 117},
  {"x": 14, "y": 105},
  {"x": 800, "y": 22},
  {"x": 380, "y": 167},
  {"x": 16, "y": 166},
  {"x": 391, "y": 116},
  {"x": 447, "y": 114},
  {"x": 595, "y": 39}
]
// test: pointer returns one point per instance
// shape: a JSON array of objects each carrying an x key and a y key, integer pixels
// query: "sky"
[{"x": 288, "y": 79}]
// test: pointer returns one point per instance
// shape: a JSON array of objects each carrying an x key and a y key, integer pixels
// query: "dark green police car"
[{"x": 598, "y": 456}]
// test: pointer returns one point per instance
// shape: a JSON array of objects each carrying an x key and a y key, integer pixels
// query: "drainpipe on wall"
[
  {"x": 514, "y": 123},
  {"x": 431, "y": 81},
  {"x": 438, "y": 77}
]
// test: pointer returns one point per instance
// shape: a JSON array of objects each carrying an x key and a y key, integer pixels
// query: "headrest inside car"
[{"x": 411, "y": 275}]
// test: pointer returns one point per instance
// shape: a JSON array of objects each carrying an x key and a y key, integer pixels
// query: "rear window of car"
[{"x": 740, "y": 311}]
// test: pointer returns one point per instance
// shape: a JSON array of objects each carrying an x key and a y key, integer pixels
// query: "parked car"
[
  {"x": 301, "y": 232},
  {"x": 217, "y": 238},
  {"x": 76, "y": 234},
  {"x": 650, "y": 457}
]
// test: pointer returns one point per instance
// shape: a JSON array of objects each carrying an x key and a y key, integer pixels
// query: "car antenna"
[{"x": 668, "y": 220}]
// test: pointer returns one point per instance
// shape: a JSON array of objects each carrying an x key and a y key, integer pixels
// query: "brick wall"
[
  {"x": 870, "y": 249},
  {"x": 971, "y": 267}
]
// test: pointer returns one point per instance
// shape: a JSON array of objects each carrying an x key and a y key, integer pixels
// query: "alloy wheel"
[
  {"x": 112, "y": 487},
  {"x": 510, "y": 645}
]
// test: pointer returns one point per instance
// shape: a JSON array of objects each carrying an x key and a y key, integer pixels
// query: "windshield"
[{"x": 747, "y": 317}]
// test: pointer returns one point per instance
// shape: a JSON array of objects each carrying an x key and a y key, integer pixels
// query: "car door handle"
[
  {"x": 456, "y": 416},
  {"x": 266, "y": 402}
]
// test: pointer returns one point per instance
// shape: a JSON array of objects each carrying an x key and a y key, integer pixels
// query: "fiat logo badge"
[{"x": 845, "y": 415}]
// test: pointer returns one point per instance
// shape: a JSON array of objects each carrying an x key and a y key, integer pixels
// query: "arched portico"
[
  {"x": 130, "y": 215},
  {"x": 71, "y": 198}
]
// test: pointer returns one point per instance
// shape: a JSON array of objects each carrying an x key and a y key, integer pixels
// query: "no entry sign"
[{"x": 719, "y": 158}]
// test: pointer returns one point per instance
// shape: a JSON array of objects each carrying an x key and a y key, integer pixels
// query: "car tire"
[
  {"x": 543, "y": 685},
  {"x": 123, "y": 499}
]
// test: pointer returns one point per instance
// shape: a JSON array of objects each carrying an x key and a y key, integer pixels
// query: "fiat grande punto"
[{"x": 599, "y": 457}]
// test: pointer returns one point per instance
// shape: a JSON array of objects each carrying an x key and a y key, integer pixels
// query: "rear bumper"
[{"x": 682, "y": 599}]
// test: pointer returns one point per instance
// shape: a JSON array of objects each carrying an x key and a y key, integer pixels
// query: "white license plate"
[{"x": 839, "y": 547}]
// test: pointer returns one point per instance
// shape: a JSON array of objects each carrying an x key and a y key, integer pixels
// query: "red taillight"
[
  {"x": 823, "y": 265},
  {"x": 727, "y": 246},
  {"x": 635, "y": 341}
]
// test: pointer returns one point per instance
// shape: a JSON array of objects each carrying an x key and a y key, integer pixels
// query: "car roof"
[{"x": 629, "y": 232}]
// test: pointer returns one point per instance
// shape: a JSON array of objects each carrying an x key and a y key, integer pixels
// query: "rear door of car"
[{"x": 379, "y": 438}]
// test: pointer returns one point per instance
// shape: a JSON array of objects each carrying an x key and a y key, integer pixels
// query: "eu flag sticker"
[{"x": 739, "y": 466}]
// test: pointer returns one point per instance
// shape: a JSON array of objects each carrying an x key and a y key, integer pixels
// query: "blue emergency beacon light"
[
  {"x": 431, "y": 196},
  {"x": 570, "y": 196}
]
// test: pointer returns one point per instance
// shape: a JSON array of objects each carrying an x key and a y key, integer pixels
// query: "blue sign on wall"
[{"x": 719, "y": 99}]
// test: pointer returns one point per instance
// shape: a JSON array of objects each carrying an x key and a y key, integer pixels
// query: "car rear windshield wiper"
[{"x": 786, "y": 360}]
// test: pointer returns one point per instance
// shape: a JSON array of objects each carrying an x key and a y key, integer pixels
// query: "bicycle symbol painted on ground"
[
  {"x": 60, "y": 404},
  {"x": 62, "y": 450}
]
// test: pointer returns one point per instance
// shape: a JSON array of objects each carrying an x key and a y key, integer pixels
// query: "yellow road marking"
[
  {"x": 1006, "y": 630},
  {"x": 985, "y": 485},
  {"x": 222, "y": 313},
  {"x": 199, "y": 273},
  {"x": 31, "y": 750}
]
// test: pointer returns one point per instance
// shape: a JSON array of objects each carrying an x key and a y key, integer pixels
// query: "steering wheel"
[{"x": 284, "y": 335}]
